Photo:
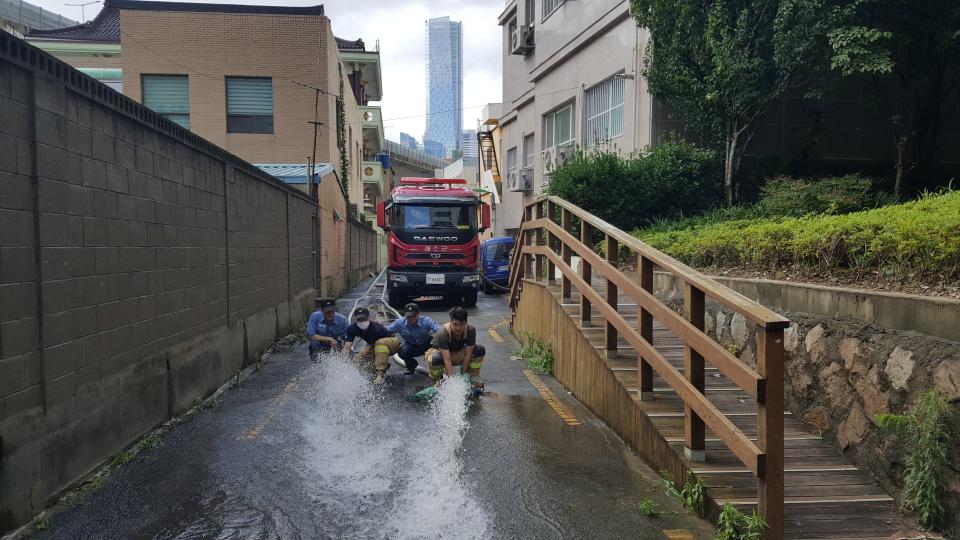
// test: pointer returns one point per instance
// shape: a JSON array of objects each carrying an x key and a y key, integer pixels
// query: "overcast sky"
[{"x": 399, "y": 26}]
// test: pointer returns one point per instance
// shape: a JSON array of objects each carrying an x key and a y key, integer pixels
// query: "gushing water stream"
[{"x": 378, "y": 467}]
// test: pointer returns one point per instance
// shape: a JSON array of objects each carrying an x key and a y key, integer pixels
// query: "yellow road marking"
[
  {"x": 562, "y": 411},
  {"x": 273, "y": 409},
  {"x": 678, "y": 534},
  {"x": 496, "y": 337}
]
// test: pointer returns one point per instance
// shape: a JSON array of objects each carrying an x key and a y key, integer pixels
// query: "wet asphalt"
[{"x": 302, "y": 450}]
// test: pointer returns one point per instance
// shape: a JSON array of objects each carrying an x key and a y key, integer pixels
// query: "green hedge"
[
  {"x": 666, "y": 181},
  {"x": 919, "y": 236}
]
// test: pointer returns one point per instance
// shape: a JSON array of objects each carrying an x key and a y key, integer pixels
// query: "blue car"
[{"x": 495, "y": 255}]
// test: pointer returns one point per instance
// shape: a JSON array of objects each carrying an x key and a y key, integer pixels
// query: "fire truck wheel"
[
  {"x": 470, "y": 299},
  {"x": 396, "y": 300}
]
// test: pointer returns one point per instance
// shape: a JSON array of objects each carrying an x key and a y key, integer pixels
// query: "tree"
[
  {"x": 720, "y": 63},
  {"x": 910, "y": 51}
]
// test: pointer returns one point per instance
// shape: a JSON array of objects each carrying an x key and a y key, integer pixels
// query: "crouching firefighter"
[
  {"x": 326, "y": 328},
  {"x": 416, "y": 330},
  {"x": 380, "y": 341},
  {"x": 455, "y": 344}
]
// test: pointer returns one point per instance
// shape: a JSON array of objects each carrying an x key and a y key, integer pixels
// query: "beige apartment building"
[
  {"x": 569, "y": 80},
  {"x": 263, "y": 82}
]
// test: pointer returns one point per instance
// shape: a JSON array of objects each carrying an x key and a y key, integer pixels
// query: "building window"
[
  {"x": 249, "y": 105},
  {"x": 549, "y": 6},
  {"x": 603, "y": 111},
  {"x": 511, "y": 160},
  {"x": 528, "y": 151},
  {"x": 168, "y": 95},
  {"x": 558, "y": 127},
  {"x": 529, "y": 12}
]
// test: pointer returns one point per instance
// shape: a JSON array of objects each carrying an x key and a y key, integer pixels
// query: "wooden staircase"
[{"x": 722, "y": 431}]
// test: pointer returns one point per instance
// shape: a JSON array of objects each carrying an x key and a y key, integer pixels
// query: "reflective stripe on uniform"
[
  {"x": 475, "y": 365},
  {"x": 381, "y": 349}
]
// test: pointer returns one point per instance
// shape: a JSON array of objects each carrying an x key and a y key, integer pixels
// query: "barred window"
[
  {"x": 549, "y": 6},
  {"x": 603, "y": 111},
  {"x": 511, "y": 160},
  {"x": 528, "y": 151}
]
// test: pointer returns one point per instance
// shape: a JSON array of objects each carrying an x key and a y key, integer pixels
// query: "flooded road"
[{"x": 302, "y": 450}]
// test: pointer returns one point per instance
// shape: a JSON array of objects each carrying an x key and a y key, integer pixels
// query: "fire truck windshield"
[{"x": 408, "y": 216}]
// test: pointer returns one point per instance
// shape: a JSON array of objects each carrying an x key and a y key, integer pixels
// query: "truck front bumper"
[{"x": 415, "y": 283}]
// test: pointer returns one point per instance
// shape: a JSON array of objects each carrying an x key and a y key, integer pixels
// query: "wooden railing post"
[
  {"x": 586, "y": 273},
  {"x": 644, "y": 370},
  {"x": 539, "y": 242},
  {"x": 552, "y": 242},
  {"x": 528, "y": 240},
  {"x": 567, "y": 253},
  {"x": 694, "y": 431},
  {"x": 612, "y": 249},
  {"x": 770, "y": 430}
]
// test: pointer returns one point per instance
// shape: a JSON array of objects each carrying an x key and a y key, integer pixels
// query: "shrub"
[
  {"x": 666, "y": 181},
  {"x": 926, "y": 435},
  {"x": 919, "y": 236},
  {"x": 785, "y": 196},
  {"x": 539, "y": 355}
]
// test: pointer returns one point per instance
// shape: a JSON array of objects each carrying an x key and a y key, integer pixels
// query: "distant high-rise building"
[
  {"x": 444, "y": 47},
  {"x": 468, "y": 145},
  {"x": 434, "y": 149},
  {"x": 408, "y": 140}
]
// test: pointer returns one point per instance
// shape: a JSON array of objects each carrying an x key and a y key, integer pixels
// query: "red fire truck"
[{"x": 433, "y": 248}]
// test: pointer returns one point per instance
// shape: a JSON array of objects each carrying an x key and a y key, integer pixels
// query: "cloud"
[{"x": 398, "y": 25}]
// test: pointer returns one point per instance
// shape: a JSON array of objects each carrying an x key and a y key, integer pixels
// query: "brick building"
[{"x": 253, "y": 80}]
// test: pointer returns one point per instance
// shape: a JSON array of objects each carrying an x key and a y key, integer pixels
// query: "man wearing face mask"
[{"x": 380, "y": 341}]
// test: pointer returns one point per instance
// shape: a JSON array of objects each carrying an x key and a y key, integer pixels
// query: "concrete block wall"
[{"x": 140, "y": 267}]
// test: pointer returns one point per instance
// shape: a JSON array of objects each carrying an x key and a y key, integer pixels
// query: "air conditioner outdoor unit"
[
  {"x": 521, "y": 40},
  {"x": 526, "y": 179},
  {"x": 548, "y": 160},
  {"x": 512, "y": 181},
  {"x": 563, "y": 154}
]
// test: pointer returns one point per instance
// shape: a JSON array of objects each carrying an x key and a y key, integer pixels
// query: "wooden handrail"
[
  {"x": 741, "y": 374},
  {"x": 738, "y": 443},
  {"x": 550, "y": 245},
  {"x": 730, "y": 298}
]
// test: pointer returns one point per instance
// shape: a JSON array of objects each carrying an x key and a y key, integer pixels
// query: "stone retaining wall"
[{"x": 841, "y": 373}]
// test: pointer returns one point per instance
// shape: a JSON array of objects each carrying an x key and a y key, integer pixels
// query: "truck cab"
[
  {"x": 495, "y": 255},
  {"x": 433, "y": 246}
]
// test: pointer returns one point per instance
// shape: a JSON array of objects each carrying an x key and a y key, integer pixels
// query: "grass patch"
[
  {"x": 691, "y": 495},
  {"x": 539, "y": 355},
  {"x": 925, "y": 434},
  {"x": 918, "y": 237},
  {"x": 648, "y": 508},
  {"x": 735, "y": 525}
]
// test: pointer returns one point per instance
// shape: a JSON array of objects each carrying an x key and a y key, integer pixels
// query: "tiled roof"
[
  {"x": 104, "y": 28},
  {"x": 151, "y": 5},
  {"x": 347, "y": 45}
]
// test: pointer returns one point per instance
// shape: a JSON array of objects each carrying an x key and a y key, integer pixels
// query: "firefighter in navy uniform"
[{"x": 326, "y": 328}]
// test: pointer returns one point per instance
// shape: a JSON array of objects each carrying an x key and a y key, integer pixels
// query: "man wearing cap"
[
  {"x": 326, "y": 328},
  {"x": 417, "y": 333},
  {"x": 455, "y": 344},
  {"x": 379, "y": 341}
]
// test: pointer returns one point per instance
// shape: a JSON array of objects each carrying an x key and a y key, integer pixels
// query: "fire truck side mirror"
[
  {"x": 484, "y": 216},
  {"x": 381, "y": 216}
]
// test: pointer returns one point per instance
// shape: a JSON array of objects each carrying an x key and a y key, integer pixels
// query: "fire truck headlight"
[
  {"x": 398, "y": 278},
  {"x": 471, "y": 278}
]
